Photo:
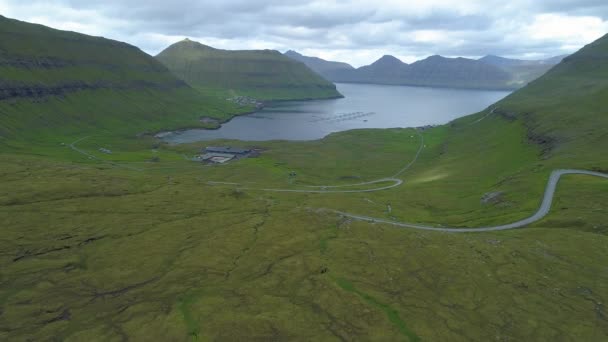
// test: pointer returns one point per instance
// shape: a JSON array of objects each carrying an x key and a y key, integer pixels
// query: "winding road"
[
  {"x": 544, "y": 209},
  {"x": 322, "y": 189}
]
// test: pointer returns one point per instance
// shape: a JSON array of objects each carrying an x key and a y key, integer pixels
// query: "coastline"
[
  {"x": 511, "y": 89},
  {"x": 160, "y": 135}
]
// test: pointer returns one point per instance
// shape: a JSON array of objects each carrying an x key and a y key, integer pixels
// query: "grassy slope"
[
  {"x": 263, "y": 74},
  {"x": 99, "y": 84},
  {"x": 566, "y": 108},
  {"x": 93, "y": 251}
]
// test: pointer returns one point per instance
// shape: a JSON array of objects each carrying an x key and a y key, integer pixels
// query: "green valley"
[{"x": 144, "y": 244}]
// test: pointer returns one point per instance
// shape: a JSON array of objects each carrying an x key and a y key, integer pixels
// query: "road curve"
[
  {"x": 323, "y": 189},
  {"x": 544, "y": 209},
  {"x": 396, "y": 183}
]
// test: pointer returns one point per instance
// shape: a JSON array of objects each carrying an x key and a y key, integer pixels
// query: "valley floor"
[{"x": 116, "y": 246}]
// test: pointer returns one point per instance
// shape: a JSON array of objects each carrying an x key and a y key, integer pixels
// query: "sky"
[{"x": 354, "y": 31}]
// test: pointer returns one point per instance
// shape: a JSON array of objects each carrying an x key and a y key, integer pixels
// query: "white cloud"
[
  {"x": 355, "y": 31},
  {"x": 570, "y": 30}
]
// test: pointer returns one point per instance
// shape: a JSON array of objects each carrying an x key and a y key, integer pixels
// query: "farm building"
[
  {"x": 226, "y": 149},
  {"x": 221, "y": 155},
  {"x": 218, "y": 158}
]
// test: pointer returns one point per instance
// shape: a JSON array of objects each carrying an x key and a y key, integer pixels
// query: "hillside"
[
  {"x": 328, "y": 69},
  {"x": 58, "y": 82},
  {"x": 456, "y": 73},
  {"x": 262, "y": 74},
  {"x": 565, "y": 109}
]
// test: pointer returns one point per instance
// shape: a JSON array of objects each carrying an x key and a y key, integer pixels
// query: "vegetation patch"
[{"x": 391, "y": 313}]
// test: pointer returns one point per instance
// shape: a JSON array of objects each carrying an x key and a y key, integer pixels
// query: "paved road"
[
  {"x": 323, "y": 189},
  {"x": 396, "y": 183},
  {"x": 542, "y": 211}
]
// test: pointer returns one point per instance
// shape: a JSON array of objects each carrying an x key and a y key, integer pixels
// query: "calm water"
[{"x": 364, "y": 106}]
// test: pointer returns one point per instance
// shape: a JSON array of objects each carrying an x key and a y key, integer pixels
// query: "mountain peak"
[
  {"x": 388, "y": 60},
  {"x": 436, "y": 58},
  {"x": 292, "y": 53},
  {"x": 187, "y": 42}
]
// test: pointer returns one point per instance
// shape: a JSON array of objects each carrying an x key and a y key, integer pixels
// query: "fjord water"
[{"x": 364, "y": 106}]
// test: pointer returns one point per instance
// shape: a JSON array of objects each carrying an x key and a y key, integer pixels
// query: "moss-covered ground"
[{"x": 94, "y": 250}]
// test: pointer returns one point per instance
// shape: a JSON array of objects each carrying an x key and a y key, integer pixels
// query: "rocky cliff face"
[{"x": 14, "y": 91}]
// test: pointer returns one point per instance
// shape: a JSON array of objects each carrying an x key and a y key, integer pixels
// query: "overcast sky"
[{"x": 354, "y": 31}]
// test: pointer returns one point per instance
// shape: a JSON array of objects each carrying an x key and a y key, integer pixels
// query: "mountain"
[
  {"x": 435, "y": 71},
  {"x": 522, "y": 71},
  {"x": 565, "y": 109},
  {"x": 262, "y": 74},
  {"x": 327, "y": 69},
  {"x": 500, "y": 61},
  {"x": 456, "y": 73},
  {"x": 507, "y": 62},
  {"x": 554, "y": 60},
  {"x": 386, "y": 70},
  {"x": 489, "y": 72},
  {"x": 66, "y": 82}
]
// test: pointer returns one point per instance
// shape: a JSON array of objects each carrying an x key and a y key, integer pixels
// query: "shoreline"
[
  {"x": 160, "y": 135},
  {"x": 432, "y": 86}
]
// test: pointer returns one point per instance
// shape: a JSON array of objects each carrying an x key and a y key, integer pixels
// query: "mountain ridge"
[
  {"x": 262, "y": 74},
  {"x": 489, "y": 72},
  {"x": 62, "y": 82}
]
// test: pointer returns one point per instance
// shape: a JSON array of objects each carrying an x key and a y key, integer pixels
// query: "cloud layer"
[{"x": 354, "y": 31}]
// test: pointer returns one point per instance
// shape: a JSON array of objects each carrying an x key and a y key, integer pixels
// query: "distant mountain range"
[
  {"x": 327, "y": 69},
  {"x": 262, "y": 74},
  {"x": 489, "y": 72}
]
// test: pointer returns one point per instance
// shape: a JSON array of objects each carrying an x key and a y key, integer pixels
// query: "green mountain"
[
  {"x": 262, "y": 74},
  {"x": 57, "y": 82},
  {"x": 565, "y": 109}
]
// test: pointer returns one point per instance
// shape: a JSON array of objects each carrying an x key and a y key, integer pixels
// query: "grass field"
[{"x": 237, "y": 264}]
